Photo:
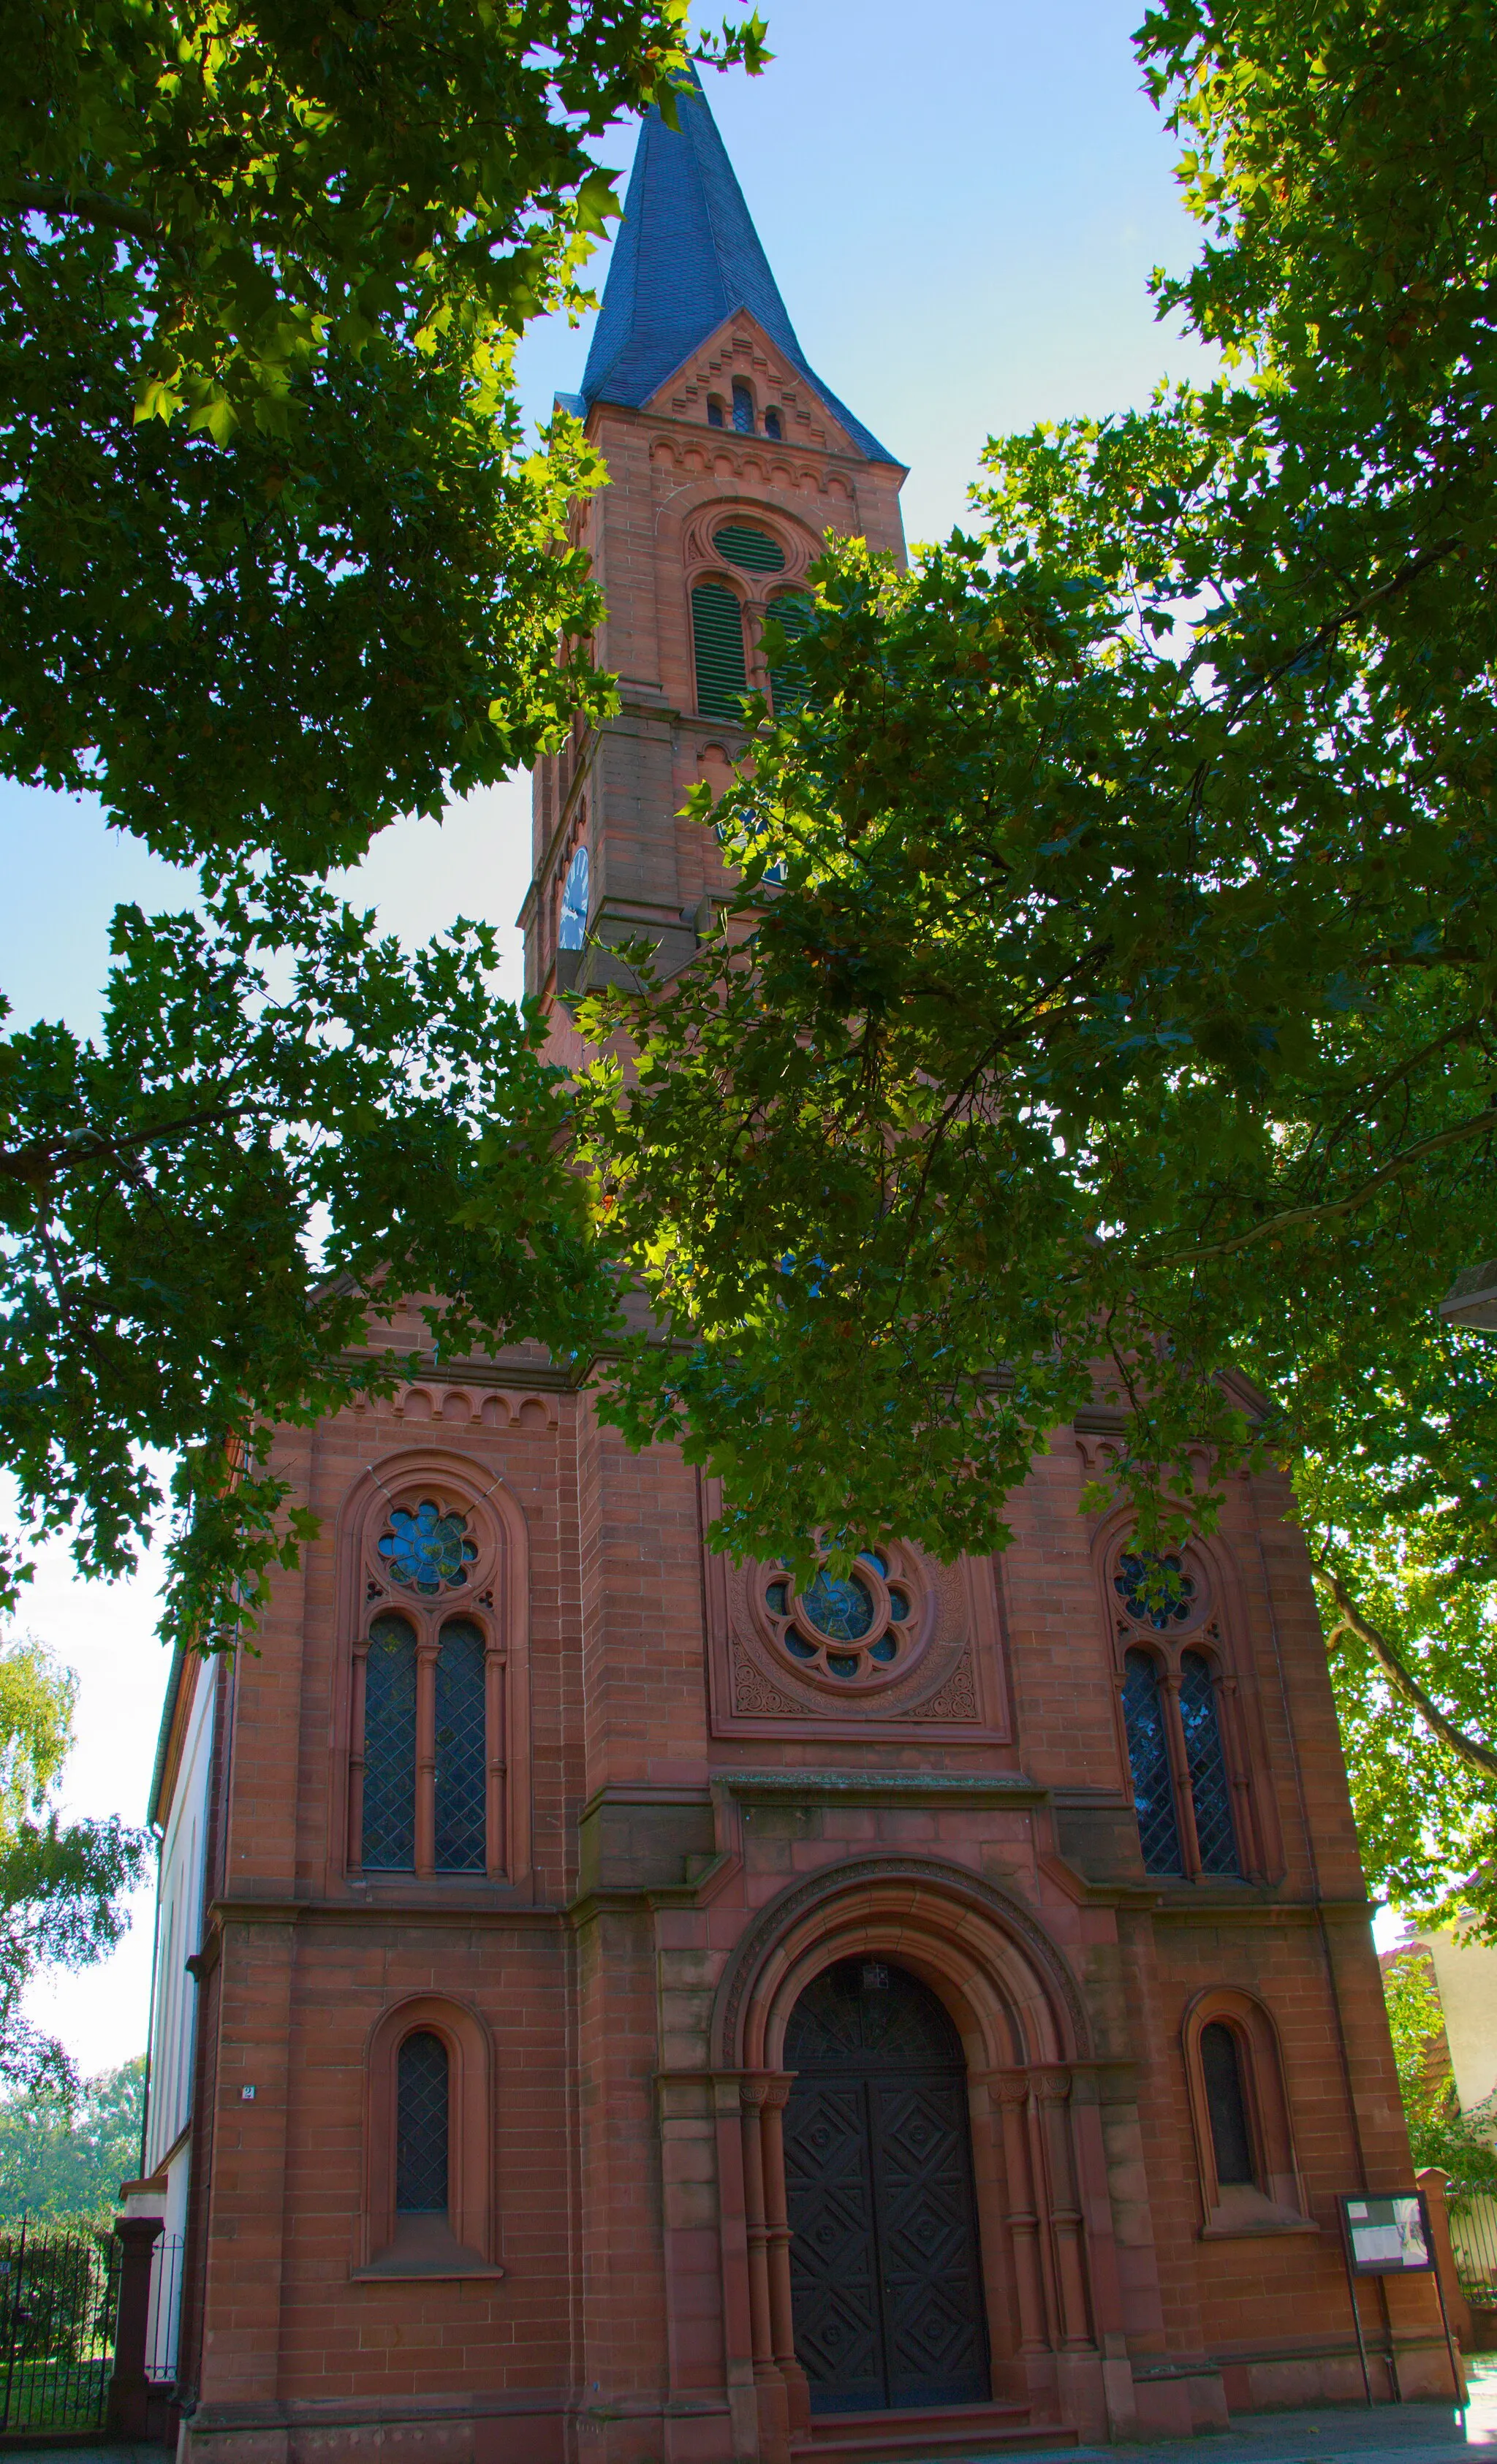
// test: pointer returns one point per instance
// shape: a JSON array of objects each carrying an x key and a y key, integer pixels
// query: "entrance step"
[{"x": 940, "y": 2430}]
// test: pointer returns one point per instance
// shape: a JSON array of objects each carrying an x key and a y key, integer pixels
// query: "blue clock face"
[{"x": 574, "y": 903}]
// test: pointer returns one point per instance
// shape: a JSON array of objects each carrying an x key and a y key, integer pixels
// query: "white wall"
[
  {"x": 1465, "y": 1972},
  {"x": 179, "y": 1934}
]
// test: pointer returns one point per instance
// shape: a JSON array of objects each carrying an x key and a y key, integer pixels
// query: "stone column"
[
  {"x": 496, "y": 1810},
  {"x": 1052, "y": 2095},
  {"x": 777, "y": 2228},
  {"x": 129, "y": 2388},
  {"x": 1012, "y": 2091},
  {"x": 774, "y": 2410},
  {"x": 356, "y": 1753}
]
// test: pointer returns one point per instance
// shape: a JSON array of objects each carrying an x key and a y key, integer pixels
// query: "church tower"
[{"x": 612, "y": 2005}]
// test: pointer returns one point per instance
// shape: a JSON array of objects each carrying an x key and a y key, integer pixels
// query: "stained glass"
[
  {"x": 1222, "y": 2070},
  {"x": 1148, "y": 1762},
  {"x": 427, "y": 1550},
  {"x": 742, "y": 408},
  {"x": 872, "y": 1557},
  {"x": 798, "y": 1644},
  {"x": 778, "y": 1597},
  {"x": 1139, "y": 1583},
  {"x": 840, "y": 1664},
  {"x": 461, "y": 1773},
  {"x": 898, "y": 1607},
  {"x": 840, "y": 1605},
  {"x": 572, "y": 931},
  {"x": 1210, "y": 1794},
  {"x": 421, "y": 2126},
  {"x": 884, "y": 1648},
  {"x": 390, "y": 1748}
]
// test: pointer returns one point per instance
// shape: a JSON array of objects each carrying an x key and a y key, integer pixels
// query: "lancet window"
[
  {"x": 1185, "y": 1773},
  {"x": 421, "y": 2126},
  {"x": 427, "y": 1775}
]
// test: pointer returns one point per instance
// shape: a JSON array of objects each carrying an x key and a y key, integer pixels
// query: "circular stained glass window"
[
  {"x": 427, "y": 1550},
  {"x": 857, "y": 1627},
  {"x": 840, "y": 1605},
  {"x": 1155, "y": 1591}
]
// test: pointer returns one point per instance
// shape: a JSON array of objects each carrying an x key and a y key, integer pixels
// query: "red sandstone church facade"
[{"x": 642, "y": 2013}]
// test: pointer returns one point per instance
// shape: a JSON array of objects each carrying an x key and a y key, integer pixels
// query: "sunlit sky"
[{"x": 963, "y": 236}]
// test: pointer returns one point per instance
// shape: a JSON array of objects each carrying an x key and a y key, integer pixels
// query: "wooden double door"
[{"x": 885, "y": 2277}]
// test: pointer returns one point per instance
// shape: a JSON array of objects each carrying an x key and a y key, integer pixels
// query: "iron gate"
[{"x": 59, "y": 2290}]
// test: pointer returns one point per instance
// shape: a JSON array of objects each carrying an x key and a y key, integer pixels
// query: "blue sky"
[{"x": 963, "y": 231}]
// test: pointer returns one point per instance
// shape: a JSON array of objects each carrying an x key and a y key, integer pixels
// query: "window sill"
[
  {"x": 1251, "y": 2218},
  {"x": 406, "y": 2271},
  {"x": 424, "y": 2251}
]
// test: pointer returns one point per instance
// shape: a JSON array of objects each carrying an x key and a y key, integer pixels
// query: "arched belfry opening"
[{"x": 885, "y": 2267}]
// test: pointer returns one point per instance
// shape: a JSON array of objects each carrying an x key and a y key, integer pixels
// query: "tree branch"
[
  {"x": 41, "y": 1159},
  {"x": 1333, "y": 1207},
  {"x": 82, "y": 205},
  {"x": 1477, "y": 1757}
]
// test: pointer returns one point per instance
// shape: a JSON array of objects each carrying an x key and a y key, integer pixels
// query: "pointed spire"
[{"x": 686, "y": 257}]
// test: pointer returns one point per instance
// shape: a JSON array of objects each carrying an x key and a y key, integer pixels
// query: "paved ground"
[{"x": 1412, "y": 2434}]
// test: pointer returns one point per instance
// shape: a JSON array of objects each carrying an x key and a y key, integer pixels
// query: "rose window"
[
  {"x": 1155, "y": 1591},
  {"x": 427, "y": 1550},
  {"x": 851, "y": 1627}
]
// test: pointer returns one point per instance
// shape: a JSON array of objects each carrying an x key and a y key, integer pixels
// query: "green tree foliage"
[
  {"x": 1123, "y": 1015},
  {"x": 61, "y": 1882},
  {"x": 275, "y": 565},
  {"x": 63, "y": 2159},
  {"x": 1440, "y": 2133}
]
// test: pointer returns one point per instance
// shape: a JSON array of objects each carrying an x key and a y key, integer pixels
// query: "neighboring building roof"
[{"x": 687, "y": 257}]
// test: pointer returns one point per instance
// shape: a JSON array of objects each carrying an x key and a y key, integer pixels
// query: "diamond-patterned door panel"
[{"x": 885, "y": 2274}]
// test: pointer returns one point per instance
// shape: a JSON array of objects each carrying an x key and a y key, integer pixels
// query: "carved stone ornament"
[{"x": 892, "y": 1639}]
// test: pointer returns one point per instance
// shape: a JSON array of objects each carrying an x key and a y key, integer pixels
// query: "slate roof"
[{"x": 687, "y": 255}]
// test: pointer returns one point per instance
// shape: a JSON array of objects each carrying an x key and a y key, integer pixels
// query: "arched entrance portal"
[{"x": 885, "y": 2280}]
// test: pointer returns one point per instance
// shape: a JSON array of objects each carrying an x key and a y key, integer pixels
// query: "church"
[{"x": 617, "y": 2006}]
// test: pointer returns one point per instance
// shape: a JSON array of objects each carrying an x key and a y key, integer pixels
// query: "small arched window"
[
  {"x": 1226, "y": 2107},
  {"x": 572, "y": 931},
  {"x": 389, "y": 1747},
  {"x": 772, "y": 426},
  {"x": 742, "y": 407},
  {"x": 717, "y": 639},
  {"x": 1149, "y": 1764},
  {"x": 713, "y": 412},
  {"x": 421, "y": 2126}
]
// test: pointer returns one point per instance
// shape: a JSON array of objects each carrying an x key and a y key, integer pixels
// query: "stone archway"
[{"x": 1018, "y": 2015}]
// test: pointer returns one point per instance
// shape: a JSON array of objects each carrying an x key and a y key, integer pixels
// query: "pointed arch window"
[
  {"x": 1181, "y": 1794},
  {"x": 427, "y": 1782},
  {"x": 717, "y": 639}
]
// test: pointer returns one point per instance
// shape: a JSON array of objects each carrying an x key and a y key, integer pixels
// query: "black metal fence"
[
  {"x": 59, "y": 2289},
  {"x": 161, "y": 2335},
  {"x": 1473, "y": 2237}
]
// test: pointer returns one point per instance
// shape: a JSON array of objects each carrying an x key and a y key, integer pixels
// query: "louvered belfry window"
[
  {"x": 791, "y": 611},
  {"x": 389, "y": 1747},
  {"x": 461, "y": 1776},
  {"x": 749, "y": 545},
  {"x": 717, "y": 638},
  {"x": 421, "y": 2126},
  {"x": 1149, "y": 1763}
]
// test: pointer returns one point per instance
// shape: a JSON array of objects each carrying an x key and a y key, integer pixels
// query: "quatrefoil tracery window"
[{"x": 854, "y": 1630}]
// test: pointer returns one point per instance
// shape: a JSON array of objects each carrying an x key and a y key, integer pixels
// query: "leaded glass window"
[
  {"x": 1221, "y": 2071},
  {"x": 772, "y": 425},
  {"x": 1215, "y": 1838},
  {"x": 421, "y": 2101},
  {"x": 717, "y": 638},
  {"x": 390, "y": 1748},
  {"x": 1149, "y": 1763},
  {"x": 461, "y": 1760},
  {"x": 742, "y": 407},
  {"x": 427, "y": 1550}
]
